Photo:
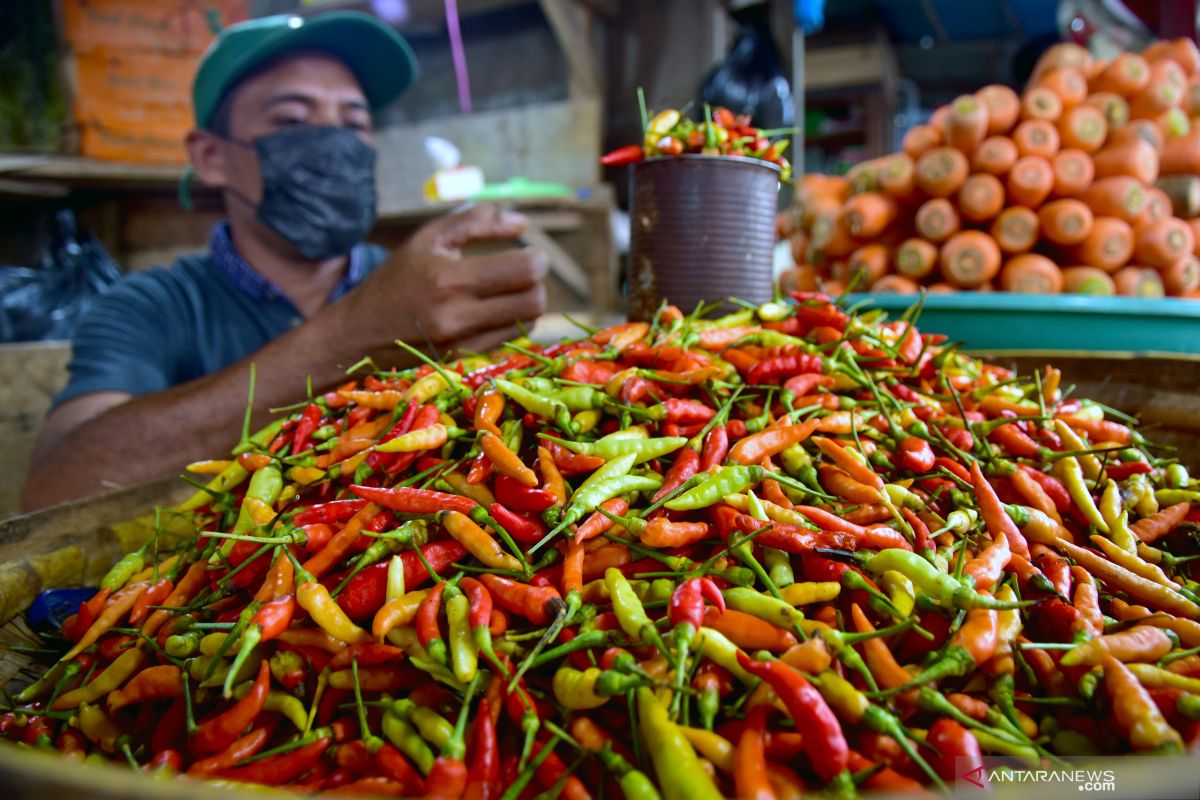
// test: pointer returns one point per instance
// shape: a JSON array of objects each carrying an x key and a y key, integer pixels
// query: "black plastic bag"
[
  {"x": 46, "y": 302},
  {"x": 751, "y": 79}
]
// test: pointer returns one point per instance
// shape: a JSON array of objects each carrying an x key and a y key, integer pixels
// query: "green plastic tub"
[{"x": 999, "y": 321}]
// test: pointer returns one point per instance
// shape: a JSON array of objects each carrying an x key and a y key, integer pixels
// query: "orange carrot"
[
  {"x": 1137, "y": 159},
  {"x": 920, "y": 139},
  {"x": 1073, "y": 172},
  {"x": 1065, "y": 222},
  {"x": 941, "y": 287},
  {"x": 1064, "y": 55},
  {"x": 799, "y": 279},
  {"x": 867, "y": 264},
  {"x": 1181, "y": 277},
  {"x": 866, "y": 215},
  {"x": 1165, "y": 91},
  {"x": 966, "y": 124},
  {"x": 1126, "y": 75},
  {"x": 1114, "y": 108},
  {"x": 1066, "y": 82},
  {"x": 1157, "y": 208},
  {"x": 894, "y": 284},
  {"x": 1194, "y": 224},
  {"x": 1174, "y": 122},
  {"x": 1036, "y": 137},
  {"x": 936, "y": 219},
  {"x": 1088, "y": 280},
  {"x": 916, "y": 258},
  {"x": 981, "y": 197},
  {"x": 970, "y": 258},
  {"x": 1016, "y": 229},
  {"x": 1003, "y": 107},
  {"x": 1108, "y": 246},
  {"x": 1119, "y": 196},
  {"x": 814, "y": 185},
  {"x": 1182, "y": 51},
  {"x": 1139, "y": 282},
  {"x": 1030, "y": 181},
  {"x": 1181, "y": 155},
  {"x": 1041, "y": 103},
  {"x": 938, "y": 119},
  {"x": 1084, "y": 128},
  {"x": 1160, "y": 244},
  {"x": 799, "y": 242},
  {"x": 941, "y": 171},
  {"x": 995, "y": 155},
  {"x": 1144, "y": 129},
  {"x": 895, "y": 176},
  {"x": 829, "y": 236},
  {"x": 1030, "y": 273}
]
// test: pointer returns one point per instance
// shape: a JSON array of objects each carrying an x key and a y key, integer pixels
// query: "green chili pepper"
[
  {"x": 725, "y": 481},
  {"x": 630, "y": 614},
  {"x": 404, "y": 737},
  {"x": 943, "y": 588},
  {"x": 534, "y": 403},
  {"x": 610, "y": 448},
  {"x": 265, "y": 485},
  {"x": 1070, "y": 473},
  {"x": 675, "y": 762}
]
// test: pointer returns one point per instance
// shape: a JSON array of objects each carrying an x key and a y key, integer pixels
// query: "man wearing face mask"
[{"x": 283, "y": 129}]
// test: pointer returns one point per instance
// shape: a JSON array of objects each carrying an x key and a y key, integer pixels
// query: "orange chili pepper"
[
  {"x": 857, "y": 469},
  {"x": 883, "y": 665},
  {"x": 504, "y": 460},
  {"x": 572, "y": 576},
  {"x": 118, "y": 606},
  {"x": 488, "y": 410},
  {"x": 337, "y": 547},
  {"x": 748, "y": 631},
  {"x": 750, "y": 778},
  {"x": 754, "y": 448},
  {"x": 552, "y": 478},
  {"x": 838, "y": 483}
]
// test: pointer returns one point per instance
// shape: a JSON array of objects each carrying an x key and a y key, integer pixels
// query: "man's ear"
[{"x": 207, "y": 155}]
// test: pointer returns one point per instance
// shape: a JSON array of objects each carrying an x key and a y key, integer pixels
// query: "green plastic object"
[
  {"x": 515, "y": 188},
  {"x": 999, "y": 321}
]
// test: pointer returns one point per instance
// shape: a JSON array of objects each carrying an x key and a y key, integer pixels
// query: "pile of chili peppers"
[
  {"x": 790, "y": 549},
  {"x": 720, "y": 133}
]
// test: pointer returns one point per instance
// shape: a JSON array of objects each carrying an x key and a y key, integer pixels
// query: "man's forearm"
[{"x": 155, "y": 435}]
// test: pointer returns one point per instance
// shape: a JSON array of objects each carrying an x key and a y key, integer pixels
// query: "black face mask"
[{"x": 318, "y": 188}]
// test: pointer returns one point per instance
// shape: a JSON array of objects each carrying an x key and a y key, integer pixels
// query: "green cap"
[{"x": 378, "y": 56}]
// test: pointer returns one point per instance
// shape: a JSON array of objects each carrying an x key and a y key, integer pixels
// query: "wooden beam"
[{"x": 572, "y": 26}]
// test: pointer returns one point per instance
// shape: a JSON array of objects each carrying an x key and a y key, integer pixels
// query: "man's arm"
[{"x": 425, "y": 292}]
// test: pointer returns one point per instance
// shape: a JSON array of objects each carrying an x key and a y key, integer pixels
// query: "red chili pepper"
[
  {"x": 473, "y": 380},
  {"x": 515, "y": 495},
  {"x": 483, "y": 773},
  {"x": 824, "y": 741},
  {"x": 327, "y": 513},
  {"x": 408, "y": 500},
  {"x": 1055, "y": 568},
  {"x": 151, "y": 597},
  {"x": 916, "y": 455},
  {"x": 1119, "y": 472},
  {"x": 921, "y": 538},
  {"x": 687, "y": 464},
  {"x": 779, "y": 368},
  {"x": 538, "y": 604},
  {"x": 392, "y": 763},
  {"x": 522, "y": 528},
  {"x": 687, "y": 601},
  {"x": 824, "y": 313},
  {"x": 1015, "y": 441},
  {"x": 366, "y": 591},
  {"x": 953, "y": 466},
  {"x": 1053, "y": 489},
  {"x": 310, "y": 418},
  {"x": 629, "y": 154},
  {"x": 596, "y": 373},
  {"x": 366, "y": 654},
  {"x": 796, "y": 539},
  {"x": 281, "y": 769},
  {"x": 426, "y": 417},
  {"x": 956, "y": 752},
  {"x": 219, "y": 732},
  {"x": 428, "y": 632}
]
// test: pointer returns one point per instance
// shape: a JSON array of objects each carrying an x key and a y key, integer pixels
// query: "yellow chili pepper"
[
  {"x": 716, "y": 647},
  {"x": 1146, "y": 504},
  {"x": 224, "y": 481},
  {"x": 305, "y": 475},
  {"x": 1088, "y": 463},
  {"x": 314, "y": 598},
  {"x": 899, "y": 590},
  {"x": 1070, "y": 471},
  {"x": 211, "y": 643},
  {"x": 803, "y": 594},
  {"x": 576, "y": 689},
  {"x": 430, "y": 386},
  {"x": 1132, "y": 562},
  {"x": 208, "y": 467},
  {"x": 1121, "y": 535},
  {"x": 397, "y": 613},
  {"x": 111, "y": 679},
  {"x": 713, "y": 746},
  {"x": 283, "y": 703},
  {"x": 416, "y": 441},
  {"x": 1153, "y": 677},
  {"x": 464, "y": 654},
  {"x": 585, "y": 421},
  {"x": 476, "y": 491},
  {"x": 98, "y": 728}
]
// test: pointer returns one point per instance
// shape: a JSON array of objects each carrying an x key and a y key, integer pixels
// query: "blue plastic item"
[
  {"x": 52, "y": 606},
  {"x": 992, "y": 321}
]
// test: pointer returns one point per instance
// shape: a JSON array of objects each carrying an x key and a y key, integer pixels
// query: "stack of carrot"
[{"x": 1087, "y": 182}]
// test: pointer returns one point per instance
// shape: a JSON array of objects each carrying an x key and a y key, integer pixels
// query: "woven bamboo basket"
[{"x": 74, "y": 544}]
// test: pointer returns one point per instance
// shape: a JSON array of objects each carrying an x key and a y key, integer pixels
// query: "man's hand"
[{"x": 429, "y": 290}]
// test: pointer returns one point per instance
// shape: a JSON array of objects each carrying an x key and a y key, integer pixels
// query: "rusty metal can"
[{"x": 702, "y": 230}]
